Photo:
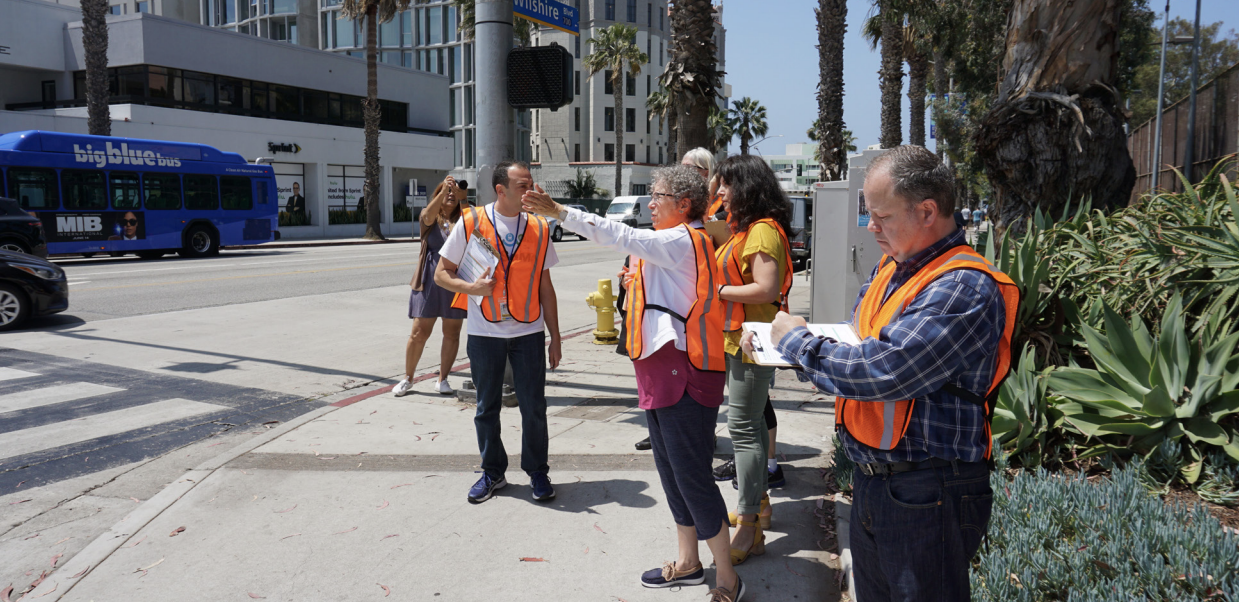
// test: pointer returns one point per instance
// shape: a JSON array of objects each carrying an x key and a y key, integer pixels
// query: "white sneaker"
[
  {"x": 402, "y": 388},
  {"x": 446, "y": 389}
]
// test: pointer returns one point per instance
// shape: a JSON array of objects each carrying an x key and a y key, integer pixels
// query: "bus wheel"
[
  {"x": 150, "y": 254},
  {"x": 88, "y": 255},
  {"x": 200, "y": 242}
]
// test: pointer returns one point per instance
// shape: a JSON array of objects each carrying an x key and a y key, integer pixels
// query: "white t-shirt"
[{"x": 509, "y": 231}]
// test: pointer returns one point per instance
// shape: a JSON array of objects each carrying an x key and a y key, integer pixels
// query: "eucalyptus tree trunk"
[
  {"x": 918, "y": 69},
  {"x": 892, "y": 82},
  {"x": 941, "y": 88},
  {"x": 831, "y": 26},
  {"x": 370, "y": 115},
  {"x": 95, "y": 46},
  {"x": 617, "y": 90},
  {"x": 1055, "y": 132}
]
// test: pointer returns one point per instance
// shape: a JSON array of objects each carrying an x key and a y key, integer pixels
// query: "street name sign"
[{"x": 549, "y": 13}]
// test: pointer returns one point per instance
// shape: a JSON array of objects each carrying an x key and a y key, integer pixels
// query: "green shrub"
[
  {"x": 402, "y": 213},
  {"x": 294, "y": 219},
  {"x": 344, "y": 216},
  {"x": 844, "y": 466},
  {"x": 1056, "y": 537}
]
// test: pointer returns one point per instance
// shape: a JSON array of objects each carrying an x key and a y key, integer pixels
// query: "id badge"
[{"x": 504, "y": 316}]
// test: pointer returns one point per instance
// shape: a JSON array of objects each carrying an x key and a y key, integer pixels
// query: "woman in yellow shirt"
[{"x": 756, "y": 271}]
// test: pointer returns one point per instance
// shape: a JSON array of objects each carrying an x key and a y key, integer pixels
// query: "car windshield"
[{"x": 619, "y": 208}]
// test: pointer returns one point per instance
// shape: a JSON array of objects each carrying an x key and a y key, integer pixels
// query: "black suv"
[{"x": 20, "y": 232}]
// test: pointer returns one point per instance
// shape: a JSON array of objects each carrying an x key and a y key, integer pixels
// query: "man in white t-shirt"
[{"x": 517, "y": 306}]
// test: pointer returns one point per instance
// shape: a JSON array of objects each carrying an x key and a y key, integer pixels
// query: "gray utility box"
[{"x": 844, "y": 251}]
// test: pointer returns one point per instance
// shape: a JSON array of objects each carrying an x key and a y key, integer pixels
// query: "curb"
[
  {"x": 293, "y": 244},
  {"x": 843, "y": 522}
]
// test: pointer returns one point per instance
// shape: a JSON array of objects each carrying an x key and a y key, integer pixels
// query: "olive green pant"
[{"x": 748, "y": 387}]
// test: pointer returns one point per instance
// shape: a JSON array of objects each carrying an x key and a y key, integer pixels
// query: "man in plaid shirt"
[{"x": 921, "y": 505}]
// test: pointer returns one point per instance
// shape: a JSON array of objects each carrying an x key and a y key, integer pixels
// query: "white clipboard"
[
  {"x": 480, "y": 256},
  {"x": 766, "y": 354}
]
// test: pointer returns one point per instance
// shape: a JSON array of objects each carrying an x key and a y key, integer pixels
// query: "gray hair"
[
  {"x": 684, "y": 182},
  {"x": 918, "y": 174},
  {"x": 701, "y": 158}
]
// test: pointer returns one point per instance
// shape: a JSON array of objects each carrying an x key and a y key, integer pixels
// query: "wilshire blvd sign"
[{"x": 549, "y": 13}]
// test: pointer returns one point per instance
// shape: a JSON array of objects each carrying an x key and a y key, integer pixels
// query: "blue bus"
[{"x": 123, "y": 195}]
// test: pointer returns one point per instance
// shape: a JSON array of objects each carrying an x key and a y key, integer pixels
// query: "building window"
[
  {"x": 660, "y": 155},
  {"x": 649, "y": 44},
  {"x": 576, "y": 81},
  {"x": 630, "y": 85},
  {"x": 649, "y": 14},
  {"x": 118, "y": 10},
  {"x": 610, "y": 14},
  {"x": 576, "y": 152},
  {"x": 632, "y": 11},
  {"x": 608, "y": 152},
  {"x": 630, "y": 153},
  {"x": 608, "y": 119},
  {"x": 144, "y": 7},
  {"x": 576, "y": 119},
  {"x": 639, "y": 189},
  {"x": 577, "y": 43},
  {"x": 630, "y": 120},
  {"x": 607, "y": 86},
  {"x": 661, "y": 25},
  {"x": 647, "y": 123},
  {"x": 647, "y": 153}
]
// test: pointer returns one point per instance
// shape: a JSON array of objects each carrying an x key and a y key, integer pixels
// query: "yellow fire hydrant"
[{"x": 603, "y": 302}]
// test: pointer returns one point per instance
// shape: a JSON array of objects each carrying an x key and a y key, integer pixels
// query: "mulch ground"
[{"x": 1227, "y": 515}]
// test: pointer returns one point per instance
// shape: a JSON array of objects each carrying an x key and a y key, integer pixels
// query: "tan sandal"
[
  {"x": 763, "y": 514},
  {"x": 756, "y": 549}
]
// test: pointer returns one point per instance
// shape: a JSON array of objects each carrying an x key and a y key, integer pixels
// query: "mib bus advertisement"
[{"x": 94, "y": 226}]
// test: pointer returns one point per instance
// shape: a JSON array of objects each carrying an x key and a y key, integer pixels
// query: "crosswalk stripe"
[
  {"x": 54, "y": 394},
  {"x": 12, "y": 373},
  {"x": 48, "y": 436}
]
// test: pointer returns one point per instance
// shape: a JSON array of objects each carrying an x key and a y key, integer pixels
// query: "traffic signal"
[{"x": 539, "y": 77}]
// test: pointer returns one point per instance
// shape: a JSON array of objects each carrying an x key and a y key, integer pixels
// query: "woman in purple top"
[{"x": 429, "y": 301}]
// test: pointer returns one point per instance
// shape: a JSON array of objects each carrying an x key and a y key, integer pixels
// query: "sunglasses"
[{"x": 129, "y": 222}]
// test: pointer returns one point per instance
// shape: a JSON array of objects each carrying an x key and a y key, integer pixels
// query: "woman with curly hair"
[{"x": 756, "y": 269}]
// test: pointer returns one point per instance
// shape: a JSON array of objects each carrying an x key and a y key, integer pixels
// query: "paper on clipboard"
[
  {"x": 766, "y": 354},
  {"x": 480, "y": 256}
]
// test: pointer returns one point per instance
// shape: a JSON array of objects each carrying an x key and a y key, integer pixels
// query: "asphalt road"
[{"x": 105, "y": 288}]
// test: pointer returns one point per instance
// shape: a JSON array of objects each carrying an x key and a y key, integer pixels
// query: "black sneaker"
[
  {"x": 485, "y": 488},
  {"x": 643, "y": 444},
  {"x": 776, "y": 479},
  {"x": 726, "y": 471},
  {"x": 541, "y": 485},
  {"x": 668, "y": 576}
]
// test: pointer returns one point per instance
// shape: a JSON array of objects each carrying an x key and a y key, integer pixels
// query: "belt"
[{"x": 898, "y": 467}]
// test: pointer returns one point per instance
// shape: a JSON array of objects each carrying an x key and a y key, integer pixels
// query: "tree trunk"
[
  {"x": 617, "y": 89},
  {"x": 693, "y": 130},
  {"x": 918, "y": 69},
  {"x": 744, "y": 142},
  {"x": 831, "y": 27},
  {"x": 1055, "y": 133},
  {"x": 370, "y": 116},
  {"x": 673, "y": 133},
  {"x": 941, "y": 87},
  {"x": 95, "y": 46},
  {"x": 892, "y": 82},
  {"x": 692, "y": 38}
]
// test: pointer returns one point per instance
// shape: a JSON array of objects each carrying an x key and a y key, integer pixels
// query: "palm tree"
[
  {"x": 916, "y": 47},
  {"x": 749, "y": 119},
  {"x": 95, "y": 46},
  {"x": 831, "y": 25},
  {"x": 692, "y": 75},
  {"x": 847, "y": 144},
  {"x": 522, "y": 28},
  {"x": 658, "y": 104},
  {"x": 890, "y": 23},
  {"x": 373, "y": 11},
  {"x": 584, "y": 186},
  {"x": 722, "y": 128},
  {"x": 615, "y": 49},
  {"x": 1054, "y": 134}
]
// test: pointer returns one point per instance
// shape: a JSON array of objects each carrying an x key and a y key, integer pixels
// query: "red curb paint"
[{"x": 364, "y": 396}]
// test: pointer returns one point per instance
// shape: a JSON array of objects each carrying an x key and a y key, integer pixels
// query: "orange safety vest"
[
  {"x": 517, "y": 278},
  {"x": 715, "y": 206},
  {"x": 729, "y": 262},
  {"x": 881, "y": 424},
  {"x": 703, "y": 326}
]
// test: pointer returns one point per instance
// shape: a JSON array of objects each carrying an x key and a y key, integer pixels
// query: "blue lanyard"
[{"x": 520, "y": 233}]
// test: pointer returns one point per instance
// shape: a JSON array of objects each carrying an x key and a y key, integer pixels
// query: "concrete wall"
[{"x": 32, "y": 31}]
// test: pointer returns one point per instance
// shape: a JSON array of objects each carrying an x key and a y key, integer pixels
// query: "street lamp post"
[{"x": 753, "y": 145}]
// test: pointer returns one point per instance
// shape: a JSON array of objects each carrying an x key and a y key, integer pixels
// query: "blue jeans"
[
  {"x": 487, "y": 357},
  {"x": 914, "y": 534}
]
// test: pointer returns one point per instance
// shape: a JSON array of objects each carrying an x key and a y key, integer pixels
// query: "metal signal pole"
[
  {"x": 492, "y": 36},
  {"x": 1161, "y": 98}
]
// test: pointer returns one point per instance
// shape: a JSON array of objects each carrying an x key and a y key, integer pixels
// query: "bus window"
[
  {"x": 238, "y": 194},
  {"x": 34, "y": 188},
  {"x": 162, "y": 191},
  {"x": 84, "y": 189},
  {"x": 201, "y": 193},
  {"x": 125, "y": 190},
  {"x": 260, "y": 187}
]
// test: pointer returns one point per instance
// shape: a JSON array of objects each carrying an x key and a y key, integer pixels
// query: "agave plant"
[
  {"x": 1148, "y": 389},
  {"x": 1025, "y": 423}
]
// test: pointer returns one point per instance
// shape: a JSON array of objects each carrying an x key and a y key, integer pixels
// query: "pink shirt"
[{"x": 665, "y": 375}]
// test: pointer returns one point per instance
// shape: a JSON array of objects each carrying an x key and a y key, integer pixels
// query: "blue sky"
[{"x": 772, "y": 57}]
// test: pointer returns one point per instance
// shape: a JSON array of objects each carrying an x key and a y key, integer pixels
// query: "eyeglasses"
[
  {"x": 129, "y": 222},
  {"x": 667, "y": 194}
]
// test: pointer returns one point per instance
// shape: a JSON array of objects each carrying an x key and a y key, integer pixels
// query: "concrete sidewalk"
[{"x": 368, "y": 496}]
